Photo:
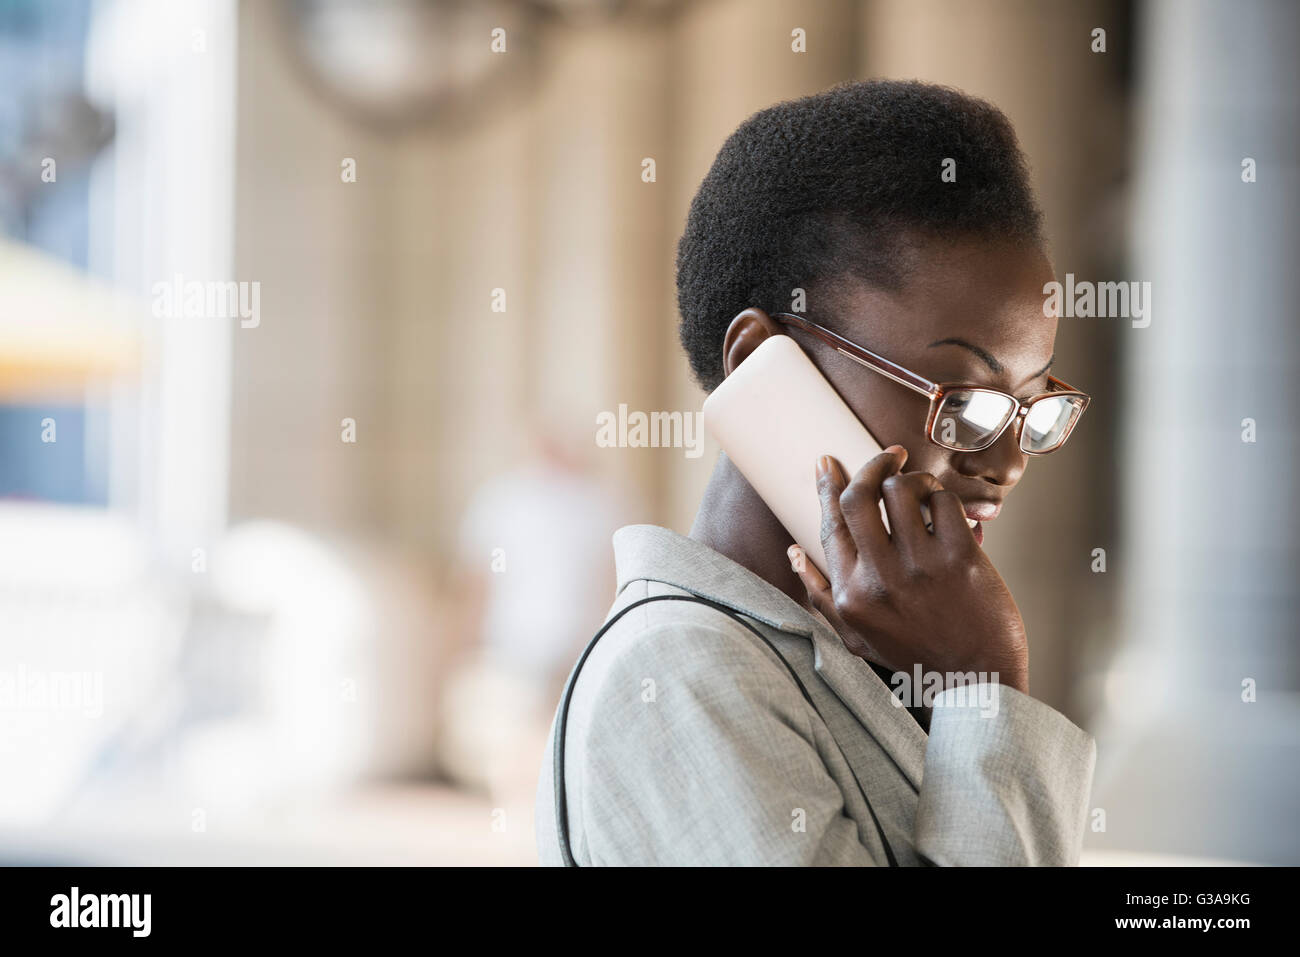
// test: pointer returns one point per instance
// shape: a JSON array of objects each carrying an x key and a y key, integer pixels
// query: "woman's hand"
[{"x": 911, "y": 597}]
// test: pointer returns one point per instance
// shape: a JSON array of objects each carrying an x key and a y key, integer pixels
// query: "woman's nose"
[{"x": 1002, "y": 463}]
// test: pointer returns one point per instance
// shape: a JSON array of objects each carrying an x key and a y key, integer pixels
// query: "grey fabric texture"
[{"x": 688, "y": 743}]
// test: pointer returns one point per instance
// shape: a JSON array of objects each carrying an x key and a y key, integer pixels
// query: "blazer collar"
[{"x": 648, "y": 552}]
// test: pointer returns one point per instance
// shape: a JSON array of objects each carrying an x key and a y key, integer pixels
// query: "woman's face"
[{"x": 969, "y": 312}]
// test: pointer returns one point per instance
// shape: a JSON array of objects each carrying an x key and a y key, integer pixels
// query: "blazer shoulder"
[
  {"x": 686, "y": 637},
  {"x": 676, "y": 698}
]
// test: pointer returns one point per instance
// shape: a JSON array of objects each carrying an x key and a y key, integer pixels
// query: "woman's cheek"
[{"x": 925, "y": 456}]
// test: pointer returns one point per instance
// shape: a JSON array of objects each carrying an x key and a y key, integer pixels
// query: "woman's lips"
[
  {"x": 979, "y": 512},
  {"x": 982, "y": 511}
]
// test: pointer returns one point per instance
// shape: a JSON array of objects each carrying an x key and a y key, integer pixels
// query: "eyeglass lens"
[{"x": 970, "y": 419}]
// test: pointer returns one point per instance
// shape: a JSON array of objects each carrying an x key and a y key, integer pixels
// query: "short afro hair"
[{"x": 840, "y": 184}]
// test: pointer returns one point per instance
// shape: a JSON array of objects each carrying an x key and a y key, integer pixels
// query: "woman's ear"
[{"x": 745, "y": 334}]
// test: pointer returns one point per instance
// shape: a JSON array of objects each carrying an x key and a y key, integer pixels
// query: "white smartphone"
[{"x": 774, "y": 416}]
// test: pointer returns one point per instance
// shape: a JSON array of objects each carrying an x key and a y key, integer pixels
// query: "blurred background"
[{"x": 308, "y": 309}]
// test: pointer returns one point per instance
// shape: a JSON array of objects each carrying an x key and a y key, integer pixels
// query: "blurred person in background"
[{"x": 533, "y": 571}]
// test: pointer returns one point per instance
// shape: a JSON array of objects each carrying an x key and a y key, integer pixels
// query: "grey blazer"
[{"x": 689, "y": 743}]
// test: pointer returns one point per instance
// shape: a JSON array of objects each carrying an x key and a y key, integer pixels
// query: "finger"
[
  {"x": 860, "y": 502},
  {"x": 950, "y": 518},
  {"x": 819, "y": 589},
  {"x": 904, "y": 495},
  {"x": 837, "y": 540}
]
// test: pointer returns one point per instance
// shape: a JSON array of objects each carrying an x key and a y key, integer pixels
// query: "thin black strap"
[{"x": 561, "y": 804}]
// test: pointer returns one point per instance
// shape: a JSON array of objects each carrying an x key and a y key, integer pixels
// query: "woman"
[{"x": 897, "y": 216}]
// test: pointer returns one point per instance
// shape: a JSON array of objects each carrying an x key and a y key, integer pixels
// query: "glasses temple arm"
[{"x": 864, "y": 357}]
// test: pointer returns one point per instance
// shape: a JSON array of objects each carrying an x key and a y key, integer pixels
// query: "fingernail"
[
  {"x": 795, "y": 554},
  {"x": 823, "y": 466},
  {"x": 898, "y": 450}
]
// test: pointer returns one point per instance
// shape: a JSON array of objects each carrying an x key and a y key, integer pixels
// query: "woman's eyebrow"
[{"x": 987, "y": 358}]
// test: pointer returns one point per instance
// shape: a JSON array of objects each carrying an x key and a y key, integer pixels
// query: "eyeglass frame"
[{"x": 935, "y": 391}]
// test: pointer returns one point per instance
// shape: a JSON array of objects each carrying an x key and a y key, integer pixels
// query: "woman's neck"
[{"x": 735, "y": 522}]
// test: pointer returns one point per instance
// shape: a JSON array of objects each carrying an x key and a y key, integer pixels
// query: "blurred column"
[
  {"x": 318, "y": 246},
  {"x": 541, "y": 197},
  {"x": 459, "y": 230},
  {"x": 170, "y": 78},
  {"x": 1210, "y": 565},
  {"x": 594, "y": 299}
]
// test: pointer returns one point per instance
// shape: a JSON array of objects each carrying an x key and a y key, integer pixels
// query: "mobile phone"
[{"x": 774, "y": 416}]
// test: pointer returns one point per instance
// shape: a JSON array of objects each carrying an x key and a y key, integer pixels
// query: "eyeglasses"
[{"x": 966, "y": 418}]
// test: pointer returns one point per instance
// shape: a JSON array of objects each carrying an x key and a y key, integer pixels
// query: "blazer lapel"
[
  {"x": 871, "y": 701},
  {"x": 659, "y": 554}
]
